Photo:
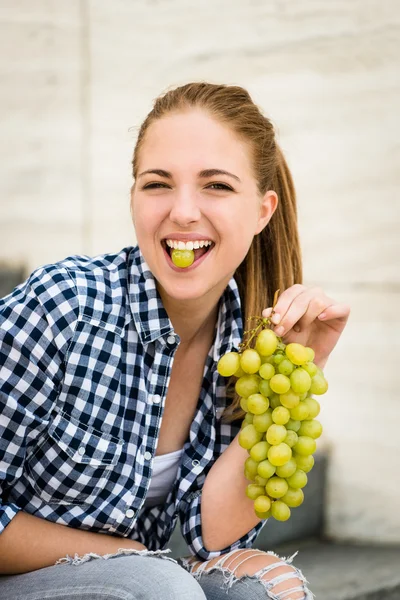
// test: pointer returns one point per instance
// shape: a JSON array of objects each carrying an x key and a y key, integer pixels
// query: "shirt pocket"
[{"x": 72, "y": 462}]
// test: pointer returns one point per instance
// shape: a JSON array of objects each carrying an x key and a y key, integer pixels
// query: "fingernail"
[
  {"x": 266, "y": 312},
  {"x": 322, "y": 316},
  {"x": 276, "y": 317},
  {"x": 279, "y": 330}
]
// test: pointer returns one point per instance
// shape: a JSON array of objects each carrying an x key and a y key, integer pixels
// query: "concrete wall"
[{"x": 78, "y": 77}]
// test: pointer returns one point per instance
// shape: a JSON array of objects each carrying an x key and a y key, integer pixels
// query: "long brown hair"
[{"x": 274, "y": 258}]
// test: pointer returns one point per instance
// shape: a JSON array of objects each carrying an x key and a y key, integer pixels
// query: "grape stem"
[{"x": 262, "y": 323}]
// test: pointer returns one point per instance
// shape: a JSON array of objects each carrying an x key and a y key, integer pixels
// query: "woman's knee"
[{"x": 281, "y": 580}]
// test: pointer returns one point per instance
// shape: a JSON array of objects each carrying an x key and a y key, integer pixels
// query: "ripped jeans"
[{"x": 143, "y": 575}]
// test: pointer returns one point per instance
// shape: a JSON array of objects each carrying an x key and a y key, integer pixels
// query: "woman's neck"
[{"x": 192, "y": 320}]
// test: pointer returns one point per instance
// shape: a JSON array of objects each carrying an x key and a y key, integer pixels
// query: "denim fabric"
[{"x": 141, "y": 575}]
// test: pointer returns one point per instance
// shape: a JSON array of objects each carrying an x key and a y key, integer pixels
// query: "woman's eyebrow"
[
  {"x": 212, "y": 172},
  {"x": 159, "y": 172}
]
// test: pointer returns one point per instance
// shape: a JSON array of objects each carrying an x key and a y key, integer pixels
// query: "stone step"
[{"x": 347, "y": 572}]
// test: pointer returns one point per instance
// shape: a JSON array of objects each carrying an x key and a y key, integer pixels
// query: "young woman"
[{"x": 114, "y": 421}]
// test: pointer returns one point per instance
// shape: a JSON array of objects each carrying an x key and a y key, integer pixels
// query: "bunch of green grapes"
[{"x": 276, "y": 384}]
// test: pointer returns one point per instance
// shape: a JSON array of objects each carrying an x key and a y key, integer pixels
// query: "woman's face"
[{"x": 195, "y": 183}]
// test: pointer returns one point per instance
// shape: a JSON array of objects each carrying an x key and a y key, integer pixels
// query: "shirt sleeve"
[
  {"x": 190, "y": 510},
  {"x": 36, "y": 322}
]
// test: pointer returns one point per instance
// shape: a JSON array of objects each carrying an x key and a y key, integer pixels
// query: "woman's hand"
[{"x": 309, "y": 317}]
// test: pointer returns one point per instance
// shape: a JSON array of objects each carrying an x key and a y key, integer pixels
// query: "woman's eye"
[
  {"x": 220, "y": 186},
  {"x": 154, "y": 185}
]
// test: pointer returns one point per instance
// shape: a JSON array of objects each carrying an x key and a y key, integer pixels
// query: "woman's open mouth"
[{"x": 200, "y": 248}]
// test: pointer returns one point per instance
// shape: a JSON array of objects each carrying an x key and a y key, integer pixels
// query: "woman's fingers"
[
  {"x": 340, "y": 311},
  {"x": 302, "y": 311}
]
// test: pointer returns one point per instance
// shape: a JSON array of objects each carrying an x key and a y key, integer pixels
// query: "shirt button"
[
  {"x": 81, "y": 450},
  {"x": 171, "y": 339},
  {"x": 156, "y": 399},
  {"x": 147, "y": 455},
  {"x": 130, "y": 513},
  {"x": 195, "y": 463}
]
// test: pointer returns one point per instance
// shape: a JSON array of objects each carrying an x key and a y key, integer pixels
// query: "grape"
[
  {"x": 280, "y": 511},
  {"x": 266, "y": 469},
  {"x": 247, "y": 385},
  {"x": 313, "y": 407},
  {"x": 243, "y": 404},
  {"x": 311, "y": 354},
  {"x": 265, "y": 515},
  {"x": 265, "y": 388},
  {"x": 274, "y": 400},
  {"x": 319, "y": 385},
  {"x": 285, "y": 367},
  {"x": 239, "y": 372},
  {"x": 287, "y": 469},
  {"x": 311, "y": 428},
  {"x": 266, "y": 371},
  {"x": 291, "y": 438},
  {"x": 259, "y": 451},
  {"x": 276, "y": 434},
  {"x": 300, "y": 412},
  {"x": 228, "y": 364},
  {"x": 182, "y": 258},
  {"x": 279, "y": 455},
  {"x": 293, "y": 497},
  {"x": 257, "y": 404},
  {"x": 289, "y": 399},
  {"x": 276, "y": 487},
  {"x": 248, "y": 418},
  {"x": 279, "y": 384},
  {"x": 250, "y": 467},
  {"x": 253, "y": 491},
  {"x": 281, "y": 415},
  {"x": 262, "y": 422},
  {"x": 293, "y": 425},
  {"x": 260, "y": 480},
  {"x": 304, "y": 446},
  {"x": 297, "y": 354},
  {"x": 267, "y": 342},
  {"x": 300, "y": 381},
  {"x": 249, "y": 436},
  {"x": 278, "y": 358},
  {"x": 298, "y": 479},
  {"x": 262, "y": 504},
  {"x": 250, "y": 361},
  {"x": 305, "y": 463},
  {"x": 311, "y": 368}
]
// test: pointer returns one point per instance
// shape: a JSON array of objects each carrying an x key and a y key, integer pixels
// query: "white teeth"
[{"x": 188, "y": 245}]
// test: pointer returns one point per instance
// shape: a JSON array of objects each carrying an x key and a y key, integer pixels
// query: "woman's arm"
[
  {"x": 29, "y": 543},
  {"x": 226, "y": 512}
]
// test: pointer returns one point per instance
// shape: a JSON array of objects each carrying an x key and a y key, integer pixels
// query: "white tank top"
[{"x": 165, "y": 469}]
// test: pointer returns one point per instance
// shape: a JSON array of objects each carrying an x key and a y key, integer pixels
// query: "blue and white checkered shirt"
[{"x": 86, "y": 351}]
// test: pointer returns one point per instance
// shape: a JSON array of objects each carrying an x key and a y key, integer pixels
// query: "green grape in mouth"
[{"x": 275, "y": 383}]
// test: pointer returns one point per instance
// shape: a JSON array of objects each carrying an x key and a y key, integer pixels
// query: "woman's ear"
[{"x": 268, "y": 206}]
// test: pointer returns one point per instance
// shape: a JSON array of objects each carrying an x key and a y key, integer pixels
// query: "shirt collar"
[{"x": 151, "y": 318}]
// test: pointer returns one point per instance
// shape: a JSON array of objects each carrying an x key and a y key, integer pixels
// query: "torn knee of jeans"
[
  {"x": 281, "y": 580},
  {"x": 77, "y": 560}
]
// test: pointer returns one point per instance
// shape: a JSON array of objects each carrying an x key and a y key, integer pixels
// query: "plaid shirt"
[{"x": 86, "y": 351}]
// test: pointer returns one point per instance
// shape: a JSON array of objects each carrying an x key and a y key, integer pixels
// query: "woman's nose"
[{"x": 185, "y": 209}]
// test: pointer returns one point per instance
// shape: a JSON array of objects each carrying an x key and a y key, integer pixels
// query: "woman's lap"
[{"x": 131, "y": 577}]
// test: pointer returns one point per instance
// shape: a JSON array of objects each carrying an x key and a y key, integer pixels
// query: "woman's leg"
[
  {"x": 120, "y": 577},
  {"x": 248, "y": 575}
]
